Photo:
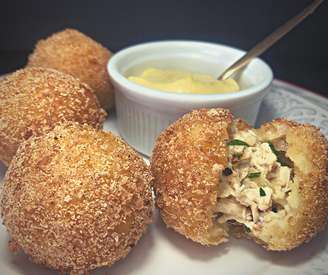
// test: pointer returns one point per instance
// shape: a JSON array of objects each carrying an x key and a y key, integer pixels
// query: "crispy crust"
[
  {"x": 183, "y": 164},
  {"x": 186, "y": 187},
  {"x": 76, "y": 198},
  {"x": 72, "y": 52},
  {"x": 308, "y": 149},
  {"x": 33, "y": 100}
]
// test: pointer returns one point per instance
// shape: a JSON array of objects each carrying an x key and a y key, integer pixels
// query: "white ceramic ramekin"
[{"x": 142, "y": 113}]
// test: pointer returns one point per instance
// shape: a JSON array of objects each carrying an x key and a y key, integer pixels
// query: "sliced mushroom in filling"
[{"x": 255, "y": 186}]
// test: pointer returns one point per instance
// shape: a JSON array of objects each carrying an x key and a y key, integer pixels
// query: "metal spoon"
[{"x": 261, "y": 47}]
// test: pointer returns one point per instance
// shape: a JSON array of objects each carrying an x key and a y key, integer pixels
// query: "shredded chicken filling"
[{"x": 255, "y": 183}]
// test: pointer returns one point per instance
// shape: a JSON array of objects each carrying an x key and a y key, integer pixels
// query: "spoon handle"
[{"x": 267, "y": 42}]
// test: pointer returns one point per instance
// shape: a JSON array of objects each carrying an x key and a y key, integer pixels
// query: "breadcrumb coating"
[
  {"x": 76, "y": 198},
  {"x": 33, "y": 100},
  {"x": 72, "y": 52},
  {"x": 185, "y": 164},
  {"x": 308, "y": 149}
]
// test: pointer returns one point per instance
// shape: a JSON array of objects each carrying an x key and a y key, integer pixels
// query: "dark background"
[{"x": 301, "y": 58}]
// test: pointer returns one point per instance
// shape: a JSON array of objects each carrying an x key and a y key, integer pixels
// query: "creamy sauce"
[{"x": 177, "y": 81}]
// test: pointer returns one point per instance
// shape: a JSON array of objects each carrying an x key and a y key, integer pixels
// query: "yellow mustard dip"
[{"x": 184, "y": 82}]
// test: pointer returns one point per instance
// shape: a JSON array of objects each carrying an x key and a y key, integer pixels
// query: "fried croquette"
[
  {"x": 76, "y": 198},
  {"x": 33, "y": 100},
  {"x": 72, "y": 52},
  {"x": 215, "y": 176}
]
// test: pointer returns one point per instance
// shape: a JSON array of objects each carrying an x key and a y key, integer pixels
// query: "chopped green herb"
[
  {"x": 227, "y": 172},
  {"x": 281, "y": 156},
  {"x": 237, "y": 142},
  {"x": 254, "y": 175},
  {"x": 262, "y": 192},
  {"x": 247, "y": 229},
  {"x": 273, "y": 149}
]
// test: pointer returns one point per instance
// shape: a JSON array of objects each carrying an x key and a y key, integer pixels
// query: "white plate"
[{"x": 162, "y": 251}]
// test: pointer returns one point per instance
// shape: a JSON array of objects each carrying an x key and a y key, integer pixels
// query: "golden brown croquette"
[
  {"x": 308, "y": 151},
  {"x": 184, "y": 163},
  {"x": 214, "y": 176},
  {"x": 72, "y": 52},
  {"x": 33, "y": 100},
  {"x": 76, "y": 198}
]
